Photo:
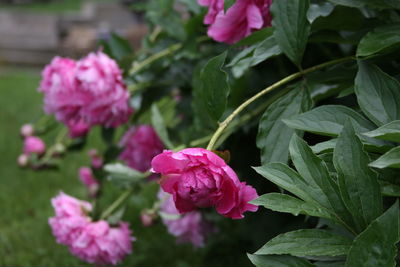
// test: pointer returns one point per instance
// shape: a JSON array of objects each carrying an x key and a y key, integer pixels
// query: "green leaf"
[
  {"x": 119, "y": 47},
  {"x": 324, "y": 147},
  {"x": 389, "y": 132},
  {"x": 285, "y": 203},
  {"x": 215, "y": 88},
  {"x": 255, "y": 38},
  {"x": 378, "y": 4},
  {"x": 291, "y": 27},
  {"x": 390, "y": 159},
  {"x": 307, "y": 242},
  {"x": 314, "y": 171},
  {"x": 278, "y": 261},
  {"x": 358, "y": 184},
  {"x": 319, "y": 10},
  {"x": 159, "y": 125},
  {"x": 378, "y": 94},
  {"x": 379, "y": 41},
  {"x": 273, "y": 135},
  {"x": 388, "y": 189},
  {"x": 376, "y": 246},
  {"x": 123, "y": 175},
  {"x": 286, "y": 178},
  {"x": 328, "y": 120}
]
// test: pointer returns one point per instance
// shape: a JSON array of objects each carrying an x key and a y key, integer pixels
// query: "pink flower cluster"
[
  {"x": 93, "y": 242},
  {"x": 239, "y": 21},
  {"x": 187, "y": 228},
  {"x": 85, "y": 93},
  {"x": 140, "y": 145},
  {"x": 32, "y": 145},
  {"x": 198, "y": 178}
]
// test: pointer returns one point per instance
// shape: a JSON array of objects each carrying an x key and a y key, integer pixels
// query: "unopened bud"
[
  {"x": 23, "y": 160},
  {"x": 27, "y": 130}
]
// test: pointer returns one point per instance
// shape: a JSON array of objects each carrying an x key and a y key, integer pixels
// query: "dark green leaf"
[
  {"x": 324, "y": 147},
  {"x": 107, "y": 134},
  {"x": 358, "y": 184},
  {"x": 328, "y": 120},
  {"x": 278, "y": 261},
  {"x": 388, "y": 189},
  {"x": 285, "y": 203},
  {"x": 291, "y": 27},
  {"x": 286, "y": 178},
  {"x": 310, "y": 242},
  {"x": 228, "y": 4},
  {"x": 314, "y": 171},
  {"x": 389, "y": 132},
  {"x": 119, "y": 47},
  {"x": 390, "y": 159},
  {"x": 380, "y": 40},
  {"x": 159, "y": 125},
  {"x": 215, "y": 88},
  {"x": 255, "y": 38},
  {"x": 379, "y": 4},
  {"x": 378, "y": 94},
  {"x": 376, "y": 246},
  {"x": 273, "y": 135}
]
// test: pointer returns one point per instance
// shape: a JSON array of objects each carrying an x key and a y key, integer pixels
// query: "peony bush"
[{"x": 230, "y": 106}]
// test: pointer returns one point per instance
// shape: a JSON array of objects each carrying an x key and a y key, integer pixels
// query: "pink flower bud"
[
  {"x": 87, "y": 178},
  {"x": 97, "y": 160},
  {"x": 23, "y": 160},
  {"x": 35, "y": 145},
  {"x": 147, "y": 218},
  {"x": 27, "y": 130}
]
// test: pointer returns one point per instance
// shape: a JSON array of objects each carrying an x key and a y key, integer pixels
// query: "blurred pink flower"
[
  {"x": 198, "y": 178},
  {"x": 239, "y": 21},
  {"x": 140, "y": 143},
  {"x": 27, "y": 130},
  {"x": 85, "y": 93},
  {"x": 93, "y": 242},
  {"x": 23, "y": 160},
  {"x": 87, "y": 178},
  {"x": 187, "y": 228},
  {"x": 34, "y": 145},
  {"x": 97, "y": 160}
]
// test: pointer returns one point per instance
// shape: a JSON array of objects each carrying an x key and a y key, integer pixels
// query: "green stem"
[
  {"x": 276, "y": 85},
  {"x": 116, "y": 204},
  {"x": 165, "y": 52},
  {"x": 58, "y": 140}
]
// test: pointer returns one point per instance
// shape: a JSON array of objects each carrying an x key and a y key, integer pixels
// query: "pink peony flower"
[
  {"x": 34, "y": 145},
  {"x": 27, "y": 130},
  {"x": 198, "y": 178},
  {"x": 188, "y": 228},
  {"x": 140, "y": 145},
  {"x": 85, "y": 93},
  {"x": 87, "y": 178},
  {"x": 239, "y": 21},
  {"x": 93, "y": 242}
]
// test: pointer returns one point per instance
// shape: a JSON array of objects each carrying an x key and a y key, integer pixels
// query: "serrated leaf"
[
  {"x": 273, "y": 135},
  {"x": 379, "y": 41},
  {"x": 159, "y": 125},
  {"x": 376, "y": 246},
  {"x": 388, "y": 132},
  {"x": 321, "y": 186},
  {"x": 291, "y": 27},
  {"x": 390, "y": 159},
  {"x": 215, "y": 87},
  {"x": 328, "y": 120},
  {"x": 378, "y": 94},
  {"x": 358, "y": 184},
  {"x": 306, "y": 243},
  {"x": 285, "y": 203},
  {"x": 278, "y": 261}
]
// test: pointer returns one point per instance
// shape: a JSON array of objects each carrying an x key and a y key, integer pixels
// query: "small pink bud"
[
  {"x": 23, "y": 160},
  {"x": 27, "y": 130},
  {"x": 97, "y": 161},
  {"x": 35, "y": 145},
  {"x": 87, "y": 178},
  {"x": 147, "y": 218}
]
